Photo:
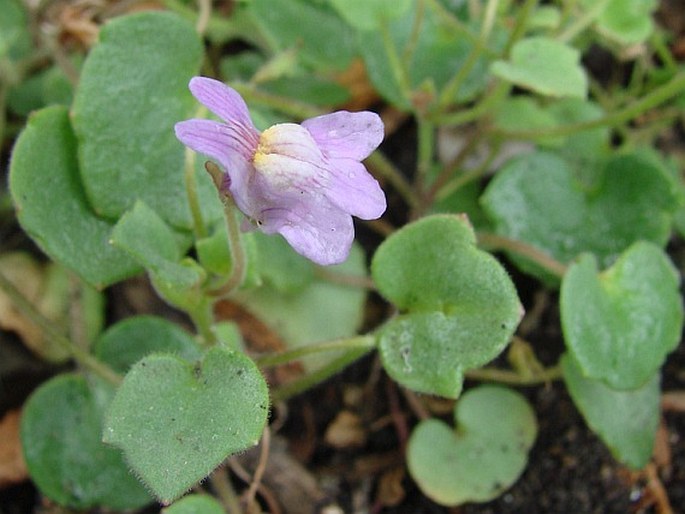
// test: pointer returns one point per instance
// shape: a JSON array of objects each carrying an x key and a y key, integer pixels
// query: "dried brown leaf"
[
  {"x": 12, "y": 465},
  {"x": 346, "y": 431}
]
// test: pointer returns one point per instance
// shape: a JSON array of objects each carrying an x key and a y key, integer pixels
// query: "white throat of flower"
[{"x": 287, "y": 155}]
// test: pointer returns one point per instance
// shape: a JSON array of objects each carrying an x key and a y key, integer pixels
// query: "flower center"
[
  {"x": 287, "y": 155},
  {"x": 289, "y": 140}
]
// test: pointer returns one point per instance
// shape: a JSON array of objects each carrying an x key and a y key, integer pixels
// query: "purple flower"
[{"x": 303, "y": 181}]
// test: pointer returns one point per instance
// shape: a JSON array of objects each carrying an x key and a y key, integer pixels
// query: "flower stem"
[
  {"x": 299, "y": 110},
  {"x": 451, "y": 168},
  {"x": 235, "y": 246},
  {"x": 658, "y": 96},
  {"x": 451, "y": 89},
  {"x": 521, "y": 25},
  {"x": 496, "y": 93},
  {"x": 199, "y": 228},
  {"x": 386, "y": 169},
  {"x": 344, "y": 279},
  {"x": 202, "y": 317},
  {"x": 399, "y": 70},
  {"x": 410, "y": 47},
  {"x": 455, "y": 24},
  {"x": 203, "y": 16},
  {"x": 364, "y": 342},
  {"x": 308, "y": 381},
  {"x": 3, "y": 111},
  {"x": 80, "y": 355},
  {"x": 488, "y": 19},
  {"x": 223, "y": 487},
  {"x": 251, "y": 493},
  {"x": 426, "y": 149},
  {"x": 496, "y": 242},
  {"x": 505, "y": 376},
  {"x": 582, "y": 22},
  {"x": 466, "y": 177}
]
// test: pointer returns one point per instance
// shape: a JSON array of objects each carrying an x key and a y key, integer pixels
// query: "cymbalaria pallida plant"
[
  {"x": 302, "y": 181},
  {"x": 451, "y": 188}
]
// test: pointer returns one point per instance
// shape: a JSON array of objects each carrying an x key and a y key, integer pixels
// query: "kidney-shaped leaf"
[
  {"x": 537, "y": 199},
  {"x": 495, "y": 428},
  {"x": 625, "y": 420},
  {"x": 176, "y": 421},
  {"x": 620, "y": 324},
  {"x": 626, "y": 22},
  {"x": 61, "y": 431},
  {"x": 144, "y": 235},
  {"x": 545, "y": 66},
  {"x": 459, "y": 306},
  {"x": 51, "y": 206},
  {"x": 128, "y": 341},
  {"x": 132, "y": 90}
]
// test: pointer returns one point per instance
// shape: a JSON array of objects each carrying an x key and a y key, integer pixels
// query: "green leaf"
[
  {"x": 177, "y": 421},
  {"x": 241, "y": 66},
  {"x": 370, "y": 15},
  {"x": 133, "y": 89},
  {"x": 545, "y": 66},
  {"x": 437, "y": 55},
  {"x": 625, "y": 420},
  {"x": 620, "y": 324},
  {"x": 195, "y": 504},
  {"x": 316, "y": 90},
  {"x": 27, "y": 96},
  {"x": 483, "y": 456},
  {"x": 15, "y": 38},
  {"x": 279, "y": 266},
  {"x": 429, "y": 351},
  {"x": 302, "y": 308},
  {"x": 213, "y": 251},
  {"x": 51, "y": 206},
  {"x": 587, "y": 150},
  {"x": 143, "y": 233},
  {"x": 546, "y": 17},
  {"x": 128, "y": 341},
  {"x": 536, "y": 199},
  {"x": 47, "y": 87},
  {"x": 465, "y": 201},
  {"x": 524, "y": 113},
  {"x": 323, "y": 40},
  {"x": 149, "y": 240},
  {"x": 459, "y": 306},
  {"x": 626, "y": 22},
  {"x": 61, "y": 427}
]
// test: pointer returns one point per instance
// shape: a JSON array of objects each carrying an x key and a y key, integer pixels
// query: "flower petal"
[
  {"x": 316, "y": 229},
  {"x": 343, "y": 134},
  {"x": 354, "y": 190},
  {"x": 231, "y": 149},
  {"x": 222, "y": 100}
]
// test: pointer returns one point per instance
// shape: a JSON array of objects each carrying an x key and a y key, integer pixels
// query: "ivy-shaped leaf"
[
  {"x": 545, "y": 66},
  {"x": 132, "y": 90},
  {"x": 61, "y": 430},
  {"x": 51, "y": 206},
  {"x": 458, "y": 305},
  {"x": 482, "y": 456},
  {"x": 620, "y": 324},
  {"x": 625, "y": 420},
  {"x": 176, "y": 421}
]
